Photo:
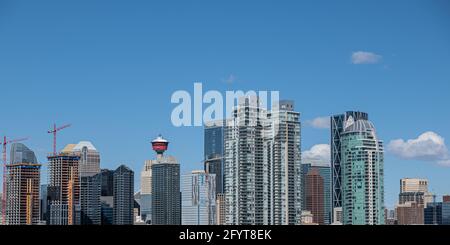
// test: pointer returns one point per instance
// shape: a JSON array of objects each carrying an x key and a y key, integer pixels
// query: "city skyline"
[{"x": 111, "y": 74}]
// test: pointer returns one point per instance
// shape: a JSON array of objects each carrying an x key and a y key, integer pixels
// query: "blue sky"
[{"x": 110, "y": 67}]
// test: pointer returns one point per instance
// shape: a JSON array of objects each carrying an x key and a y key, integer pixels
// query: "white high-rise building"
[
  {"x": 198, "y": 198},
  {"x": 262, "y": 173}
]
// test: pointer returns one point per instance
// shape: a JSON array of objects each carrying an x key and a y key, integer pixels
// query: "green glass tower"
[{"x": 362, "y": 174}]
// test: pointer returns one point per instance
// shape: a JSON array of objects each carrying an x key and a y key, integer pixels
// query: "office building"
[
  {"x": 446, "y": 212},
  {"x": 410, "y": 213},
  {"x": 213, "y": 151},
  {"x": 433, "y": 213},
  {"x": 107, "y": 196},
  {"x": 198, "y": 198},
  {"x": 325, "y": 173},
  {"x": 89, "y": 158},
  {"x": 43, "y": 203},
  {"x": 123, "y": 196},
  {"x": 415, "y": 190},
  {"x": 413, "y": 185},
  {"x": 146, "y": 192},
  {"x": 315, "y": 196},
  {"x": 220, "y": 209},
  {"x": 166, "y": 195},
  {"x": 362, "y": 174},
  {"x": 337, "y": 128},
  {"x": 20, "y": 153},
  {"x": 90, "y": 205}
]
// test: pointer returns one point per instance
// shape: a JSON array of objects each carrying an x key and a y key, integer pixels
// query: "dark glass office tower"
[
  {"x": 123, "y": 196},
  {"x": 21, "y": 154},
  {"x": 213, "y": 151},
  {"x": 337, "y": 128},
  {"x": 107, "y": 196},
  {"x": 90, "y": 206},
  {"x": 166, "y": 195}
]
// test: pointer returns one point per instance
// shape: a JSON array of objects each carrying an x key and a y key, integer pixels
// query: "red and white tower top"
[{"x": 160, "y": 145}]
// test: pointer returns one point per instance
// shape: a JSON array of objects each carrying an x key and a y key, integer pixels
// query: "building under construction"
[
  {"x": 63, "y": 193},
  {"x": 23, "y": 186}
]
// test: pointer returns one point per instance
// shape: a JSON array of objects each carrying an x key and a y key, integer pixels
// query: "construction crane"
[
  {"x": 54, "y": 131},
  {"x": 5, "y": 143}
]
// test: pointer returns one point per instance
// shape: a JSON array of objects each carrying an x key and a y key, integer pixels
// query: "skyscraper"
[
  {"x": 433, "y": 213},
  {"x": 90, "y": 205},
  {"x": 413, "y": 185},
  {"x": 283, "y": 144},
  {"x": 166, "y": 195},
  {"x": 262, "y": 164},
  {"x": 20, "y": 153},
  {"x": 325, "y": 173},
  {"x": 43, "y": 203},
  {"x": 89, "y": 158},
  {"x": 362, "y": 173},
  {"x": 337, "y": 128},
  {"x": 220, "y": 209},
  {"x": 315, "y": 196},
  {"x": 63, "y": 187},
  {"x": 23, "y": 187},
  {"x": 146, "y": 192},
  {"x": 213, "y": 151},
  {"x": 107, "y": 196},
  {"x": 198, "y": 193},
  {"x": 410, "y": 213},
  {"x": 123, "y": 196},
  {"x": 246, "y": 186},
  {"x": 446, "y": 211},
  {"x": 415, "y": 190}
]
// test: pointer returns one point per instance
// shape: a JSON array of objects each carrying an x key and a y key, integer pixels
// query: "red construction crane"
[
  {"x": 53, "y": 131},
  {"x": 5, "y": 143}
]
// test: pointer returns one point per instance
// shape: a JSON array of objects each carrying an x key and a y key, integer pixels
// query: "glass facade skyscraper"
[
  {"x": 90, "y": 205},
  {"x": 362, "y": 174},
  {"x": 20, "y": 153},
  {"x": 325, "y": 172},
  {"x": 433, "y": 213},
  {"x": 337, "y": 128},
  {"x": 213, "y": 151},
  {"x": 446, "y": 213},
  {"x": 123, "y": 196},
  {"x": 198, "y": 192},
  {"x": 166, "y": 195}
]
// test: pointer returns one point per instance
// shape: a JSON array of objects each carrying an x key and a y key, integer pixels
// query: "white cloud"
[
  {"x": 318, "y": 154},
  {"x": 444, "y": 163},
  {"x": 362, "y": 57},
  {"x": 319, "y": 122},
  {"x": 429, "y": 146}
]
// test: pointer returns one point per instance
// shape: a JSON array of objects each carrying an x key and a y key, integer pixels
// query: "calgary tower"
[{"x": 160, "y": 145}]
